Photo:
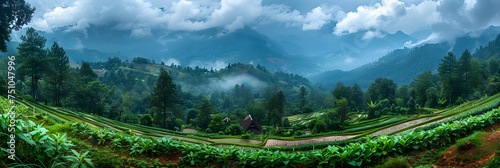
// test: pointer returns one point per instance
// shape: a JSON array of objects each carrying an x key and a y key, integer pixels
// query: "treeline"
[
  {"x": 125, "y": 90},
  {"x": 170, "y": 96},
  {"x": 457, "y": 81}
]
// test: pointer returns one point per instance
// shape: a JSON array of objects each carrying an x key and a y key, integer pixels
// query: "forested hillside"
[{"x": 405, "y": 64}]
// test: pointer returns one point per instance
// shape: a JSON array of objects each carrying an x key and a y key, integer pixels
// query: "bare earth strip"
[
  {"x": 428, "y": 124},
  {"x": 401, "y": 126},
  {"x": 276, "y": 142}
]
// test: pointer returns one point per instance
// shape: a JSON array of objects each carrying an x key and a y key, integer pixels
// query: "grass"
[
  {"x": 395, "y": 162},
  {"x": 360, "y": 128},
  {"x": 471, "y": 106},
  {"x": 479, "y": 144}
]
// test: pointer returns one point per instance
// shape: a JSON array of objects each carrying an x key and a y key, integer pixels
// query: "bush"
[
  {"x": 397, "y": 162},
  {"x": 286, "y": 122},
  {"x": 220, "y": 133},
  {"x": 208, "y": 131},
  {"x": 147, "y": 120},
  {"x": 246, "y": 136},
  {"x": 307, "y": 109},
  {"x": 459, "y": 101},
  {"x": 234, "y": 129}
]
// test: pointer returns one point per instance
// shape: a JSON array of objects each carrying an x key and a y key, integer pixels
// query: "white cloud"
[
  {"x": 227, "y": 83},
  {"x": 389, "y": 16},
  {"x": 447, "y": 18},
  {"x": 140, "y": 16},
  {"x": 219, "y": 64},
  {"x": 170, "y": 61},
  {"x": 313, "y": 20}
]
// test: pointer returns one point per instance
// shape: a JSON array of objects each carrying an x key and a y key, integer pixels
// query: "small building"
[{"x": 249, "y": 124}]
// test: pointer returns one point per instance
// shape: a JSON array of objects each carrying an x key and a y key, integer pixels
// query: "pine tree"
[
  {"x": 356, "y": 97},
  {"x": 342, "y": 109},
  {"x": 164, "y": 96},
  {"x": 58, "y": 73},
  {"x": 87, "y": 73},
  {"x": 465, "y": 66},
  {"x": 14, "y": 14},
  {"x": 276, "y": 107},
  {"x": 33, "y": 57},
  {"x": 206, "y": 109},
  {"x": 302, "y": 97},
  {"x": 447, "y": 70}
]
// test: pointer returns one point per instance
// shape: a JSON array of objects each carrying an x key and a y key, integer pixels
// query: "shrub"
[
  {"x": 246, "y": 136},
  {"x": 234, "y": 129},
  {"x": 286, "y": 122},
  {"x": 307, "y": 109},
  {"x": 208, "y": 131},
  {"x": 397, "y": 162}
]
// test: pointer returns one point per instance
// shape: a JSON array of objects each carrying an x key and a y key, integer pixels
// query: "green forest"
[
  {"x": 144, "y": 92},
  {"x": 145, "y": 113}
]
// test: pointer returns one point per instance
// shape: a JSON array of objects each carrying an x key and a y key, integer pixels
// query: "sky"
[{"x": 446, "y": 19}]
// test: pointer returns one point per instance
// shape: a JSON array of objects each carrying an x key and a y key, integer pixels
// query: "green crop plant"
[{"x": 78, "y": 160}]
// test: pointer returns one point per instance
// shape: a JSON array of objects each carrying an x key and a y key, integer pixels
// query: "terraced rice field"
[
  {"x": 383, "y": 128},
  {"x": 485, "y": 103}
]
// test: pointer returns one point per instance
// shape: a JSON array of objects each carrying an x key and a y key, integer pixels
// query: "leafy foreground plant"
[
  {"x": 365, "y": 154},
  {"x": 34, "y": 147}
]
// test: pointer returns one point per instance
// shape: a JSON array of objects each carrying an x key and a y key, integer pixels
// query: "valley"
[{"x": 250, "y": 83}]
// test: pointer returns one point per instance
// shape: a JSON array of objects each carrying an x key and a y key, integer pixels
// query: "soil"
[
  {"x": 170, "y": 158},
  {"x": 277, "y": 142},
  {"x": 492, "y": 127},
  {"x": 461, "y": 157},
  {"x": 401, "y": 126}
]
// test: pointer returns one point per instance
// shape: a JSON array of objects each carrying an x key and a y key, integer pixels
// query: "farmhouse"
[{"x": 249, "y": 124}]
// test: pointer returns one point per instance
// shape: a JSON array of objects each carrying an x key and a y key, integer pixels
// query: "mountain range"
[
  {"x": 321, "y": 56},
  {"x": 288, "y": 50},
  {"x": 403, "y": 65}
]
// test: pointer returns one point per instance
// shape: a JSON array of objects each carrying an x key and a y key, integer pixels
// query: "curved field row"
[
  {"x": 410, "y": 124},
  {"x": 277, "y": 142},
  {"x": 69, "y": 116},
  {"x": 391, "y": 128}
]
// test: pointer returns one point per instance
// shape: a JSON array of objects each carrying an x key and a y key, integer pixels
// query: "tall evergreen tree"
[
  {"x": 424, "y": 82},
  {"x": 276, "y": 107},
  {"x": 206, "y": 109},
  {"x": 465, "y": 66},
  {"x": 341, "y": 91},
  {"x": 13, "y": 15},
  {"x": 381, "y": 89},
  {"x": 87, "y": 74},
  {"x": 342, "y": 109},
  {"x": 302, "y": 97},
  {"x": 58, "y": 73},
  {"x": 356, "y": 97},
  {"x": 164, "y": 96},
  {"x": 447, "y": 70},
  {"x": 33, "y": 57}
]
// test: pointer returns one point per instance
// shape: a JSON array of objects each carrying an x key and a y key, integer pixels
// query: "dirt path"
[
  {"x": 189, "y": 130},
  {"x": 276, "y": 142},
  {"x": 402, "y": 126},
  {"x": 427, "y": 124}
]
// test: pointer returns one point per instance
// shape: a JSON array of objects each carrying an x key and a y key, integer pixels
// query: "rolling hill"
[{"x": 403, "y": 65}]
